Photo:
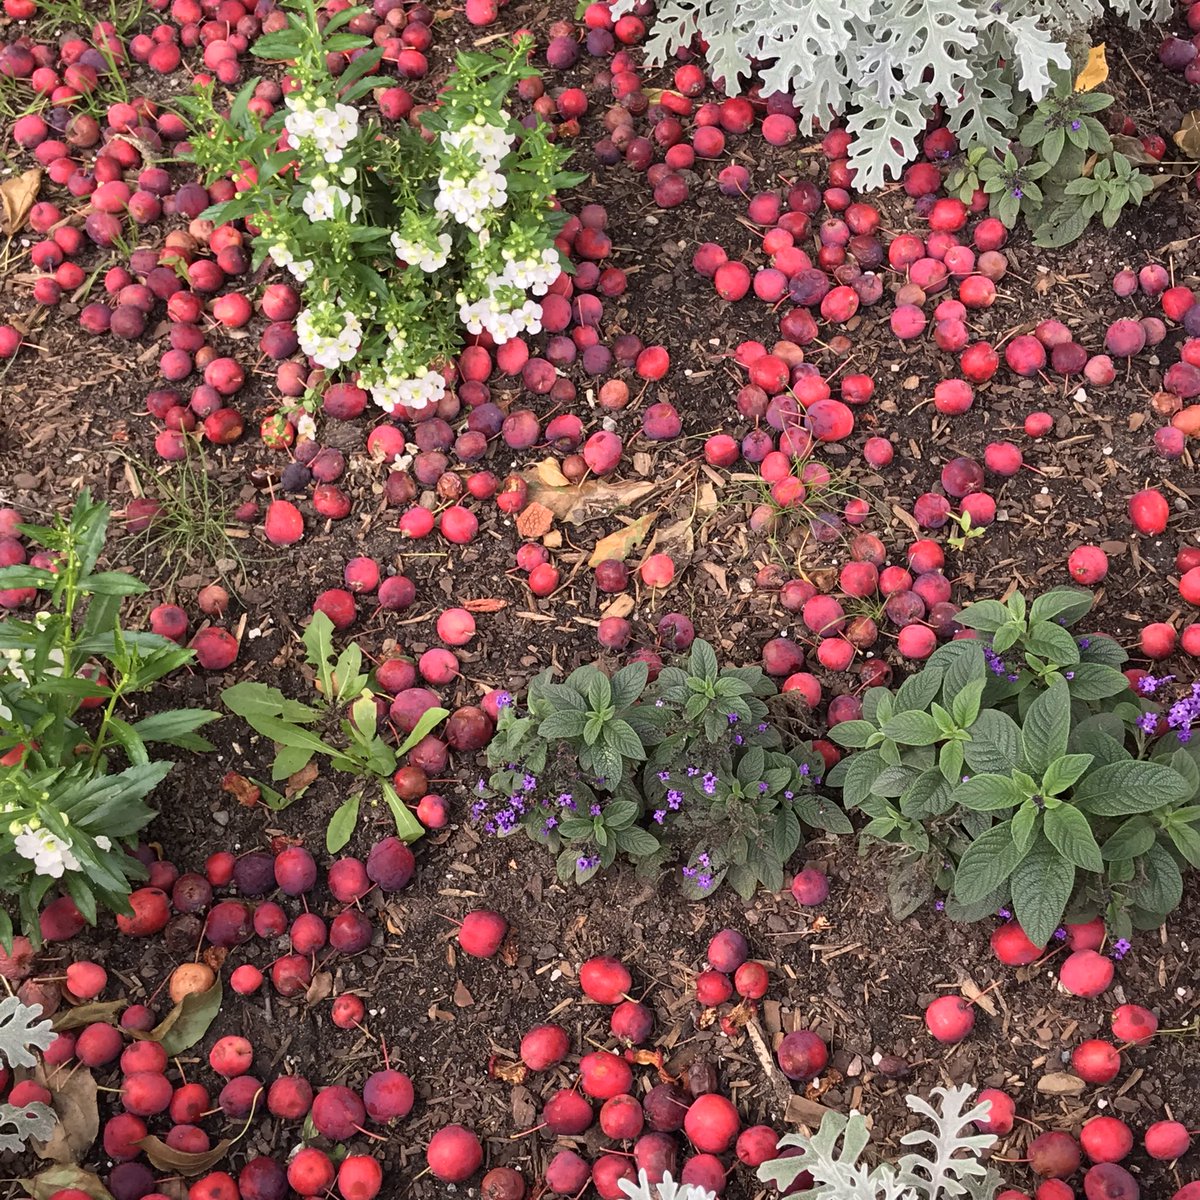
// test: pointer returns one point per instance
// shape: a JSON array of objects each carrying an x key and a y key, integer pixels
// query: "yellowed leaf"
[
  {"x": 550, "y": 473},
  {"x": 619, "y": 544},
  {"x": 1095, "y": 71},
  {"x": 17, "y": 196},
  {"x": 1187, "y": 136}
]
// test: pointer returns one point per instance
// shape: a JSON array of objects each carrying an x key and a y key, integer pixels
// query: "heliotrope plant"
[
  {"x": 1020, "y": 770},
  {"x": 688, "y": 770},
  {"x": 401, "y": 243}
]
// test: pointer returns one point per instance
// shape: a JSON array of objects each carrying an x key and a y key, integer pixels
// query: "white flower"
[
  {"x": 48, "y": 852},
  {"x": 103, "y": 843},
  {"x": 429, "y": 257},
  {"x": 330, "y": 336},
  {"x": 306, "y": 427}
]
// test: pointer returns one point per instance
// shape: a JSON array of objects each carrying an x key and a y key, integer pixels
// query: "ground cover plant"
[{"x": 805, "y": 425}]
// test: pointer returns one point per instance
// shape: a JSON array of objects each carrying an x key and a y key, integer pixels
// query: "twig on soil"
[{"x": 779, "y": 1085}]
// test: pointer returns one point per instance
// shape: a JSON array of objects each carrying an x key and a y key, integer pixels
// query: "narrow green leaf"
[{"x": 341, "y": 825}]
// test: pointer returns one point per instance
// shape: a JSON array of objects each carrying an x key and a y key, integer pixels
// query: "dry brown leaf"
[
  {"x": 534, "y": 520},
  {"x": 243, "y": 790},
  {"x": 486, "y": 604},
  {"x": 1095, "y": 71},
  {"x": 524, "y": 1111},
  {"x": 907, "y": 519},
  {"x": 507, "y": 1071},
  {"x": 321, "y": 988},
  {"x": 1187, "y": 136},
  {"x": 183, "y": 1162},
  {"x": 550, "y": 474},
  {"x": 73, "y": 1098},
  {"x": 618, "y": 606},
  {"x": 17, "y": 197},
  {"x": 589, "y": 500},
  {"x": 300, "y": 780},
  {"x": 677, "y": 539},
  {"x": 1061, "y": 1083},
  {"x": 619, "y": 544}
]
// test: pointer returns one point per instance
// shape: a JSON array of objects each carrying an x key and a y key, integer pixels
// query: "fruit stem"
[{"x": 526, "y": 1132}]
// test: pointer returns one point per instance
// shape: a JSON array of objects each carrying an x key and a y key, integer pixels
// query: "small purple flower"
[
  {"x": 674, "y": 798},
  {"x": 1148, "y": 722},
  {"x": 1121, "y": 948},
  {"x": 551, "y": 822},
  {"x": 1017, "y": 193},
  {"x": 1060, "y": 934},
  {"x": 732, "y": 718},
  {"x": 594, "y": 810},
  {"x": 664, "y": 776},
  {"x": 762, "y": 727},
  {"x": 1012, "y": 678},
  {"x": 1149, "y": 684},
  {"x": 587, "y": 862},
  {"x": 660, "y": 815},
  {"x": 504, "y": 700},
  {"x": 1068, "y": 674},
  {"x": 1076, "y": 124},
  {"x": 805, "y": 769},
  {"x": 789, "y": 795},
  {"x": 709, "y": 783},
  {"x": 738, "y": 740},
  {"x": 1084, "y": 643},
  {"x": 1004, "y": 914},
  {"x": 704, "y": 881},
  {"x": 762, "y": 788},
  {"x": 529, "y": 783},
  {"x": 939, "y": 905},
  {"x": 692, "y": 772}
]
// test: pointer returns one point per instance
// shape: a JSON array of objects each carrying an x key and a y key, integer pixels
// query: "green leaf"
[
  {"x": 1161, "y": 888},
  {"x": 1068, "y": 603},
  {"x": 995, "y": 744},
  {"x": 912, "y": 728},
  {"x": 341, "y": 825},
  {"x": 950, "y": 762},
  {"x": 1069, "y": 833},
  {"x": 251, "y": 700},
  {"x": 1063, "y": 773},
  {"x": 112, "y": 583},
  {"x": 988, "y": 861},
  {"x": 1186, "y": 839},
  {"x": 704, "y": 660},
  {"x": 408, "y": 828},
  {"x": 1025, "y": 823},
  {"x": 985, "y": 615},
  {"x": 628, "y": 684},
  {"x": 861, "y": 772},
  {"x": 852, "y": 735},
  {"x": 1095, "y": 681},
  {"x": 187, "y": 1022},
  {"x": 620, "y": 737},
  {"x": 1131, "y": 839},
  {"x": 429, "y": 720},
  {"x": 988, "y": 793},
  {"x": 964, "y": 707},
  {"x": 1047, "y": 727},
  {"x": 598, "y": 691},
  {"x": 1041, "y": 886},
  {"x": 637, "y": 842},
  {"x": 919, "y": 691},
  {"x": 318, "y": 643},
  {"x": 1052, "y": 642},
  {"x": 1123, "y": 788},
  {"x": 563, "y": 723},
  {"x": 1007, "y": 636}
]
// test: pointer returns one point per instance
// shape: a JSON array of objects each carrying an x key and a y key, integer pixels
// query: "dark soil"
[{"x": 70, "y": 414}]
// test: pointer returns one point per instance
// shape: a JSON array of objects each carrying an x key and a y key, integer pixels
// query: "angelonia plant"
[
  {"x": 687, "y": 770},
  {"x": 75, "y": 763},
  {"x": 1019, "y": 770},
  {"x": 402, "y": 241}
]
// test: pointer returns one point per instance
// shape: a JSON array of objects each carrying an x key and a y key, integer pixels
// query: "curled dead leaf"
[
  {"x": 17, "y": 197},
  {"x": 88, "y": 1014},
  {"x": 321, "y": 988},
  {"x": 299, "y": 782},
  {"x": 534, "y": 520},
  {"x": 1187, "y": 136},
  {"x": 550, "y": 473},
  {"x": 507, "y": 1071},
  {"x": 241, "y": 789},
  {"x": 181, "y": 1162},
  {"x": 487, "y": 604}
]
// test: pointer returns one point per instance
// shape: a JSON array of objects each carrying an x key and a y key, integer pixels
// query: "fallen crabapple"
[
  {"x": 1096, "y": 1061},
  {"x": 802, "y": 1055},
  {"x": 1086, "y": 973},
  {"x": 950, "y": 1019},
  {"x": 658, "y": 571},
  {"x": 1106, "y": 1139},
  {"x": 604, "y": 1075},
  {"x": 1012, "y": 947},
  {"x": 1167, "y": 1140},
  {"x": 712, "y": 1123},
  {"x": 713, "y": 988},
  {"x": 810, "y": 887},
  {"x": 1149, "y": 512},
  {"x": 1054, "y": 1155},
  {"x": 727, "y": 950},
  {"x": 751, "y": 980},
  {"x": 605, "y": 979},
  {"x": 482, "y": 932},
  {"x": 1133, "y": 1024},
  {"x": 1087, "y": 935},
  {"x": 1088, "y": 565}
]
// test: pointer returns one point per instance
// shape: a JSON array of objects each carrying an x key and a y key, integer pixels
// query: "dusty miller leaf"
[
  {"x": 35, "y": 1122},
  {"x": 883, "y": 133},
  {"x": 20, "y": 1029},
  {"x": 1034, "y": 53},
  {"x": 954, "y": 1169}
]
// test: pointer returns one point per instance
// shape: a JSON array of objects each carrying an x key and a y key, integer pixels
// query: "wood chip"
[
  {"x": 534, "y": 520},
  {"x": 1061, "y": 1083}
]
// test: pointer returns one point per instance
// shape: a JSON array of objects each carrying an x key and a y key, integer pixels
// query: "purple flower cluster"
[
  {"x": 587, "y": 861},
  {"x": 511, "y": 809},
  {"x": 701, "y": 873},
  {"x": 1121, "y": 947},
  {"x": 1183, "y": 714},
  {"x": 998, "y": 666}
]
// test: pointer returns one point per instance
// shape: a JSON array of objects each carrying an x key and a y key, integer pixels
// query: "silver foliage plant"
[
  {"x": 949, "y": 1167},
  {"x": 888, "y": 62},
  {"x": 21, "y": 1032}
]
